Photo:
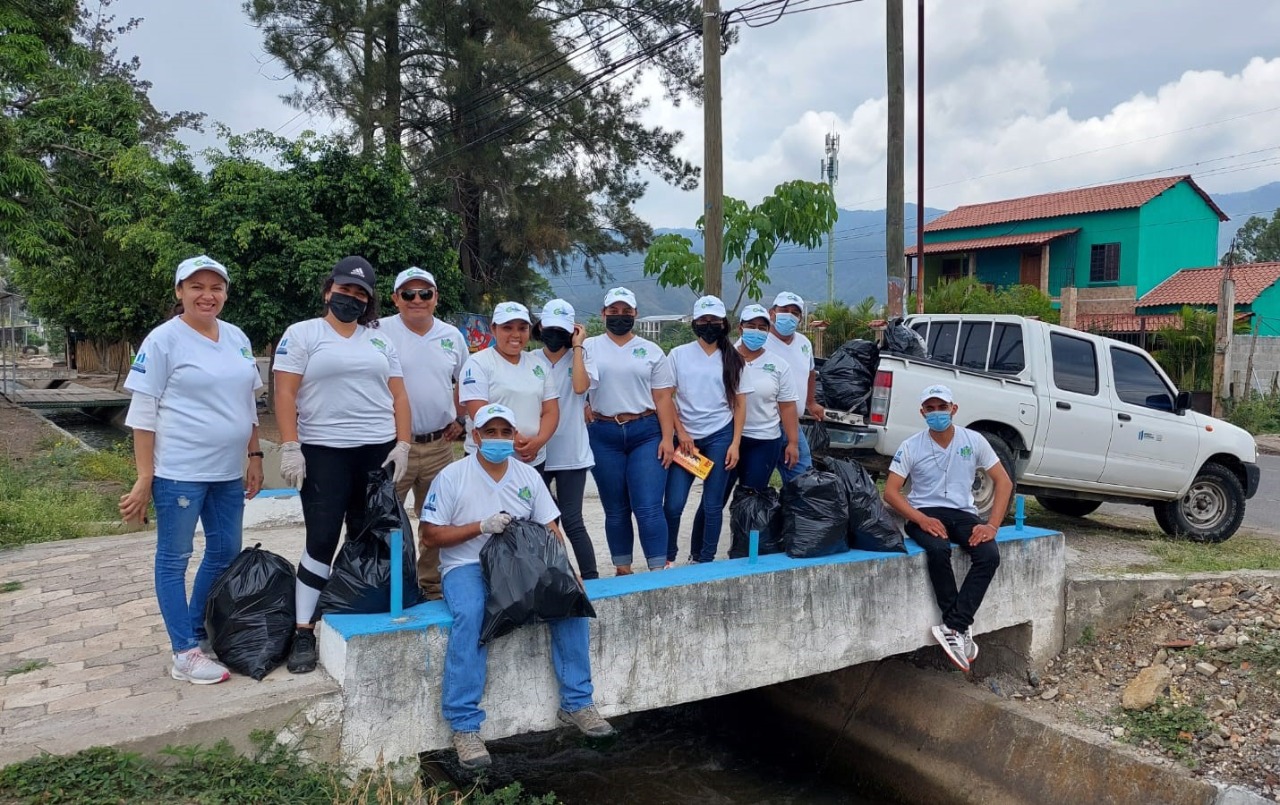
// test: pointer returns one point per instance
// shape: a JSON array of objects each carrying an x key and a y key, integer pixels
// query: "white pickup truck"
[{"x": 1077, "y": 419}]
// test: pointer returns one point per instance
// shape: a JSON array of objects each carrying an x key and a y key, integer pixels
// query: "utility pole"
[
  {"x": 712, "y": 151},
  {"x": 1222, "y": 334},
  {"x": 895, "y": 190},
  {"x": 830, "y": 172},
  {"x": 920, "y": 158}
]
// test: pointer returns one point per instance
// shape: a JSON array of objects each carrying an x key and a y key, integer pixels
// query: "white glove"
[
  {"x": 398, "y": 458},
  {"x": 495, "y": 523},
  {"x": 293, "y": 467}
]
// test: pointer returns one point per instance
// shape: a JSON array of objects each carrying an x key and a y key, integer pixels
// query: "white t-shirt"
[
  {"x": 623, "y": 377},
  {"x": 464, "y": 493},
  {"x": 769, "y": 377},
  {"x": 943, "y": 477},
  {"x": 569, "y": 448},
  {"x": 205, "y": 407},
  {"x": 523, "y": 387},
  {"x": 700, "y": 398},
  {"x": 799, "y": 356},
  {"x": 431, "y": 364},
  {"x": 344, "y": 399}
]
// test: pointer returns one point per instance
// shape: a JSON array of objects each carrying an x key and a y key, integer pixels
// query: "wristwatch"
[{"x": 256, "y": 454}]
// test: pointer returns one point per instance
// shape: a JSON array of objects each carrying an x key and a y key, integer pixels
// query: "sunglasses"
[{"x": 425, "y": 294}]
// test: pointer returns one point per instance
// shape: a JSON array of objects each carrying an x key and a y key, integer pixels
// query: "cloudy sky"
[{"x": 1022, "y": 96}]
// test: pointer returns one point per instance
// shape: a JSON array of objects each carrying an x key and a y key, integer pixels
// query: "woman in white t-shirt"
[
  {"x": 631, "y": 430},
  {"x": 343, "y": 412},
  {"x": 710, "y": 414},
  {"x": 506, "y": 374},
  {"x": 194, "y": 417},
  {"x": 568, "y": 452}
]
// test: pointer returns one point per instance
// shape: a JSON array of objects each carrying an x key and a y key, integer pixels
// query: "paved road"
[{"x": 1261, "y": 513}]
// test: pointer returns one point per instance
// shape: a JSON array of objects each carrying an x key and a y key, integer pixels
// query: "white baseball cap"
[
  {"x": 709, "y": 306},
  {"x": 936, "y": 392},
  {"x": 620, "y": 295},
  {"x": 557, "y": 313},
  {"x": 414, "y": 273},
  {"x": 510, "y": 311},
  {"x": 753, "y": 312},
  {"x": 787, "y": 298},
  {"x": 494, "y": 411},
  {"x": 202, "y": 263}
]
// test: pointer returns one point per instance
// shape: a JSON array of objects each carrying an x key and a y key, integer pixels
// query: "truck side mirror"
[{"x": 1183, "y": 403}]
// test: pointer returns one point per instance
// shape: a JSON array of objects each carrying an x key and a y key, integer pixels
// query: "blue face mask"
[
  {"x": 786, "y": 323},
  {"x": 497, "y": 450},
  {"x": 754, "y": 339},
  {"x": 938, "y": 421}
]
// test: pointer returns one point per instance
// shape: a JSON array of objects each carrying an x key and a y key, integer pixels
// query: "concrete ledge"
[{"x": 681, "y": 635}]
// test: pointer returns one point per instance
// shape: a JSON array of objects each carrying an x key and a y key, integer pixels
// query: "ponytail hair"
[{"x": 731, "y": 365}]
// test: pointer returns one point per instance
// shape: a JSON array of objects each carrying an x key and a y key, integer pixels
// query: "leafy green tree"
[
  {"x": 1258, "y": 241},
  {"x": 968, "y": 295},
  {"x": 797, "y": 212},
  {"x": 845, "y": 323},
  {"x": 526, "y": 111}
]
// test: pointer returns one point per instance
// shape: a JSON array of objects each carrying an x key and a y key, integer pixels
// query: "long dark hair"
[
  {"x": 370, "y": 316},
  {"x": 731, "y": 365}
]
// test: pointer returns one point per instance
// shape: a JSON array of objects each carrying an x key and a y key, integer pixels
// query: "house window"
[
  {"x": 953, "y": 268},
  {"x": 1104, "y": 262}
]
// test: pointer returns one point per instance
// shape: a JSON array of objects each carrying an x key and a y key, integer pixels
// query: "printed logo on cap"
[
  {"x": 494, "y": 409},
  {"x": 559, "y": 311},
  {"x": 357, "y": 272},
  {"x": 706, "y": 303},
  {"x": 512, "y": 307}
]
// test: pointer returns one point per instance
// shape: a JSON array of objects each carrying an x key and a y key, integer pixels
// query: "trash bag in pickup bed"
[
  {"x": 815, "y": 434},
  {"x": 250, "y": 615},
  {"x": 361, "y": 579},
  {"x": 527, "y": 571},
  {"x": 900, "y": 339},
  {"x": 755, "y": 510},
  {"x": 815, "y": 515},
  {"x": 847, "y": 376},
  {"x": 872, "y": 526}
]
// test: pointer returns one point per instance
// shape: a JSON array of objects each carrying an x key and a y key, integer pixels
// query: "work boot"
[
  {"x": 588, "y": 721},
  {"x": 303, "y": 655},
  {"x": 471, "y": 752}
]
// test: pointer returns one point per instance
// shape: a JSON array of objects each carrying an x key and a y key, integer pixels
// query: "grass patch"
[
  {"x": 62, "y": 492},
  {"x": 1170, "y": 726},
  {"x": 218, "y": 774},
  {"x": 1241, "y": 552},
  {"x": 1260, "y": 657},
  {"x": 26, "y": 667},
  {"x": 1088, "y": 636},
  {"x": 10, "y": 587}
]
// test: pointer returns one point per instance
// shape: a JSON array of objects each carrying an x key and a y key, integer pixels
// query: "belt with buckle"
[
  {"x": 427, "y": 438},
  {"x": 622, "y": 419}
]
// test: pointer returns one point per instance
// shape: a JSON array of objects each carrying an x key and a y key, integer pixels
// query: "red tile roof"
[
  {"x": 1000, "y": 241},
  {"x": 1123, "y": 196},
  {"x": 1199, "y": 286}
]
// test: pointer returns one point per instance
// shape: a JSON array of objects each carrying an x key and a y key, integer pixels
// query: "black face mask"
[
  {"x": 346, "y": 309},
  {"x": 709, "y": 332},
  {"x": 555, "y": 339},
  {"x": 619, "y": 325}
]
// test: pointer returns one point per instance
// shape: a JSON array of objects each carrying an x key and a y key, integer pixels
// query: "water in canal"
[{"x": 96, "y": 433}]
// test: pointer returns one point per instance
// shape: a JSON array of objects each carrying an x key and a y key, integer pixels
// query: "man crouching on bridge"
[
  {"x": 470, "y": 500},
  {"x": 942, "y": 462}
]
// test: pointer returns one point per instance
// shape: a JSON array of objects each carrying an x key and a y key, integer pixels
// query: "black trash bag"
[
  {"x": 848, "y": 375},
  {"x": 755, "y": 510},
  {"x": 250, "y": 614},
  {"x": 815, "y": 515},
  {"x": 815, "y": 433},
  {"x": 902, "y": 340},
  {"x": 872, "y": 526},
  {"x": 530, "y": 581},
  {"x": 361, "y": 580}
]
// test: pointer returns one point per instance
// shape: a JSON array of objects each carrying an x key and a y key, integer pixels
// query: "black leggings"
[{"x": 569, "y": 488}]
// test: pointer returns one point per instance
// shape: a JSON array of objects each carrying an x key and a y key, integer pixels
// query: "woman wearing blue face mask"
[{"x": 784, "y": 339}]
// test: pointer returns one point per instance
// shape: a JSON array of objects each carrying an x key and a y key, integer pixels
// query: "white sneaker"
[
  {"x": 194, "y": 667},
  {"x": 952, "y": 643},
  {"x": 970, "y": 647}
]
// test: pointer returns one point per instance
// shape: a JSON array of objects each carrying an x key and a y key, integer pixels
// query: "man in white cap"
[
  {"x": 941, "y": 462},
  {"x": 431, "y": 354},
  {"x": 470, "y": 501},
  {"x": 787, "y": 314}
]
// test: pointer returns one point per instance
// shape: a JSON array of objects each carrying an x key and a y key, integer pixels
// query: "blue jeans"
[
  {"x": 631, "y": 480},
  {"x": 466, "y": 662},
  {"x": 756, "y": 461},
  {"x": 802, "y": 466},
  {"x": 219, "y": 506},
  {"x": 714, "y": 489}
]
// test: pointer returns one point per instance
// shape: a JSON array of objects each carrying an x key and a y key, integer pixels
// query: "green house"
[
  {"x": 1257, "y": 294},
  {"x": 1133, "y": 234}
]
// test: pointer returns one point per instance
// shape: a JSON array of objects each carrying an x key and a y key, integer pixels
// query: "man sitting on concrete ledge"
[
  {"x": 470, "y": 500},
  {"x": 941, "y": 463}
]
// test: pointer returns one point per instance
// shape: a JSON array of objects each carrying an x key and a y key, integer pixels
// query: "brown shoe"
[
  {"x": 623, "y": 570},
  {"x": 588, "y": 721},
  {"x": 471, "y": 751}
]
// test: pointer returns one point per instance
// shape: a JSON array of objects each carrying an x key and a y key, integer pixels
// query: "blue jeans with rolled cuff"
[
  {"x": 631, "y": 480},
  {"x": 714, "y": 489},
  {"x": 756, "y": 461}
]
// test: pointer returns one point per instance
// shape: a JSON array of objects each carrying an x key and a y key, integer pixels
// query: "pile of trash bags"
[
  {"x": 847, "y": 376},
  {"x": 899, "y": 339},
  {"x": 250, "y": 613},
  {"x": 530, "y": 580}
]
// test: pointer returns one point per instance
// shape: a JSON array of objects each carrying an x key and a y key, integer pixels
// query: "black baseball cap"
[{"x": 354, "y": 271}]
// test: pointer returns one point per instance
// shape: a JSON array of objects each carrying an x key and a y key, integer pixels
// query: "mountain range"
[{"x": 859, "y": 260}]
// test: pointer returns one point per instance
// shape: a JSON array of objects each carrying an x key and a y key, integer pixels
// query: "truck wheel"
[
  {"x": 1071, "y": 507},
  {"x": 984, "y": 489},
  {"x": 1210, "y": 511}
]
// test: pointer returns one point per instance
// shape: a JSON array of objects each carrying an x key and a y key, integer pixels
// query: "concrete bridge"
[{"x": 686, "y": 634}]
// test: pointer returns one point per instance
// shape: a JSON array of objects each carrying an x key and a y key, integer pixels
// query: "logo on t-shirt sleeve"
[
  {"x": 431, "y": 502},
  {"x": 139, "y": 364},
  {"x": 245, "y": 352},
  {"x": 467, "y": 379},
  {"x": 281, "y": 349}
]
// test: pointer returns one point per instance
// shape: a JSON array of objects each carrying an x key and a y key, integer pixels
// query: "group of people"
[{"x": 356, "y": 393}]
